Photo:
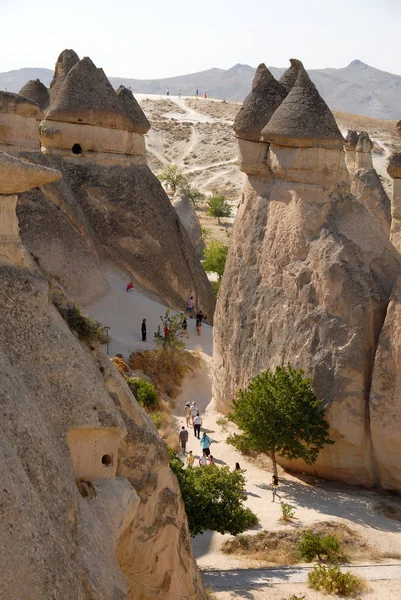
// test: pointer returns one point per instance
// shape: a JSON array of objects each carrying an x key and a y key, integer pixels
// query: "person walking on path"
[
  {"x": 190, "y": 460},
  {"x": 197, "y": 425},
  {"x": 205, "y": 443},
  {"x": 190, "y": 306},
  {"x": 179, "y": 94},
  {"x": 197, "y": 92},
  {"x": 130, "y": 286},
  {"x": 185, "y": 327},
  {"x": 183, "y": 438},
  {"x": 193, "y": 410},
  {"x": 199, "y": 319},
  {"x": 167, "y": 92},
  {"x": 275, "y": 487},
  {"x": 203, "y": 461},
  {"x": 211, "y": 460},
  {"x": 143, "y": 330},
  {"x": 187, "y": 413},
  {"x": 205, "y": 95}
]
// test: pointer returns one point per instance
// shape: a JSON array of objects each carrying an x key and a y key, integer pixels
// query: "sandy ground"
[{"x": 314, "y": 501}]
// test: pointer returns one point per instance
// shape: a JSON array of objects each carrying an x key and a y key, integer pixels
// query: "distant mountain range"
[{"x": 357, "y": 88}]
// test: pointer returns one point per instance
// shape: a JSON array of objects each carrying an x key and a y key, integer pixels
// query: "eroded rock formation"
[
  {"x": 90, "y": 508},
  {"x": 18, "y": 123},
  {"x": 190, "y": 221},
  {"x": 308, "y": 279},
  {"x": 109, "y": 210},
  {"x": 38, "y": 93},
  {"x": 394, "y": 170}
]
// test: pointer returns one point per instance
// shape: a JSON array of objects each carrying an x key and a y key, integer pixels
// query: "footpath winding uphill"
[{"x": 322, "y": 501}]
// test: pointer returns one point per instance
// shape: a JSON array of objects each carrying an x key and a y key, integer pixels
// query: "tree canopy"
[
  {"x": 215, "y": 258},
  {"x": 279, "y": 413},
  {"x": 218, "y": 206},
  {"x": 213, "y": 497},
  {"x": 173, "y": 177}
]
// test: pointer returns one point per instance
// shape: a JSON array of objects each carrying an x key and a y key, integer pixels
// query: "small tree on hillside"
[
  {"x": 173, "y": 177},
  {"x": 168, "y": 334},
  {"x": 193, "y": 193},
  {"x": 218, "y": 206},
  {"x": 213, "y": 498},
  {"x": 280, "y": 414},
  {"x": 215, "y": 258}
]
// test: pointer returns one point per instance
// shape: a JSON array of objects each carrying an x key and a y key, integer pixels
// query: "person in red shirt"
[{"x": 130, "y": 286}]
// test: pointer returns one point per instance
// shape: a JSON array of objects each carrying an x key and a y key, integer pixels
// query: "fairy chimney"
[
  {"x": 18, "y": 127},
  {"x": 289, "y": 76},
  {"x": 66, "y": 60},
  {"x": 88, "y": 118},
  {"x": 257, "y": 109},
  {"x": 17, "y": 176},
  {"x": 394, "y": 170}
]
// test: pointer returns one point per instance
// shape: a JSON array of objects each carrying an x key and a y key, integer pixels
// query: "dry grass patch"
[
  {"x": 280, "y": 547},
  {"x": 389, "y": 510}
]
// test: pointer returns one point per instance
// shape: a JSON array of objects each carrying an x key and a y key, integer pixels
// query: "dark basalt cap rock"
[
  {"x": 133, "y": 111},
  {"x": 37, "y": 92},
  {"x": 303, "y": 119},
  {"x": 289, "y": 77},
  {"x": 66, "y": 60},
  {"x": 394, "y": 166},
  {"x": 266, "y": 95},
  {"x": 364, "y": 144},
  {"x": 351, "y": 140},
  {"x": 86, "y": 96},
  {"x": 14, "y": 103}
]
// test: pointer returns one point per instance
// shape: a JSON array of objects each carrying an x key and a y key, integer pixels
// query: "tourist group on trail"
[{"x": 193, "y": 419}]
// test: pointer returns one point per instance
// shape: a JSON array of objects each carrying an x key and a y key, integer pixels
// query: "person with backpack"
[
  {"x": 205, "y": 443},
  {"x": 183, "y": 439}
]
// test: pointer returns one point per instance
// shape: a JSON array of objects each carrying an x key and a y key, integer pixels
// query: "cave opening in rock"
[
  {"x": 107, "y": 460},
  {"x": 76, "y": 149}
]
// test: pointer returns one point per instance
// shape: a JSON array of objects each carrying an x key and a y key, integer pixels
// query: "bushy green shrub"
[
  {"x": 157, "y": 418},
  {"x": 287, "y": 512},
  {"x": 326, "y": 547},
  {"x": 294, "y": 597},
  {"x": 333, "y": 581},
  {"x": 145, "y": 392},
  {"x": 87, "y": 329}
]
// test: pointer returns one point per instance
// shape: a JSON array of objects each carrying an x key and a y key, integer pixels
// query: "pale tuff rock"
[
  {"x": 365, "y": 182},
  {"x": 385, "y": 395},
  {"x": 308, "y": 280},
  {"x": 37, "y": 92},
  {"x": 133, "y": 110},
  {"x": 17, "y": 176},
  {"x": 64, "y": 64},
  {"x": 18, "y": 128},
  {"x": 258, "y": 107},
  {"x": 303, "y": 119},
  {"x": 190, "y": 221},
  {"x": 394, "y": 170},
  {"x": 90, "y": 506}
]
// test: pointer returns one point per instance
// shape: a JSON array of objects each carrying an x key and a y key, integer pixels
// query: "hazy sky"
[{"x": 155, "y": 38}]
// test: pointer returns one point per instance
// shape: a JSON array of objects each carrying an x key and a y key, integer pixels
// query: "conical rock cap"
[
  {"x": 289, "y": 76},
  {"x": 133, "y": 111},
  {"x": 18, "y": 175},
  {"x": 14, "y": 103},
  {"x": 66, "y": 60},
  {"x": 37, "y": 92},
  {"x": 303, "y": 119},
  {"x": 87, "y": 96},
  {"x": 266, "y": 95}
]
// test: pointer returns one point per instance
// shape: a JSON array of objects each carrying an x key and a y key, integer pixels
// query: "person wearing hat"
[
  {"x": 187, "y": 413},
  {"x": 193, "y": 410},
  {"x": 143, "y": 330}
]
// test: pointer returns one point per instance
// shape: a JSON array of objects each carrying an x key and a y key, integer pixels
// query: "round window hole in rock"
[
  {"x": 76, "y": 149},
  {"x": 107, "y": 460}
]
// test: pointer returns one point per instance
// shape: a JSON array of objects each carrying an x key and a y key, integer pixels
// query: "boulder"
[{"x": 190, "y": 221}]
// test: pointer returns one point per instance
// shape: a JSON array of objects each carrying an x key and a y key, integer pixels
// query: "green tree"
[
  {"x": 215, "y": 258},
  {"x": 168, "y": 335},
  {"x": 173, "y": 177},
  {"x": 193, "y": 193},
  {"x": 218, "y": 206},
  {"x": 213, "y": 498},
  {"x": 280, "y": 414}
]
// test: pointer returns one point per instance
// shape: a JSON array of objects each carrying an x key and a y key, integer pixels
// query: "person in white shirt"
[
  {"x": 193, "y": 411},
  {"x": 202, "y": 460},
  {"x": 197, "y": 425}
]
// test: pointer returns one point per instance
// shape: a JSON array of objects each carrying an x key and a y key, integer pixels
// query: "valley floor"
[{"x": 313, "y": 500}]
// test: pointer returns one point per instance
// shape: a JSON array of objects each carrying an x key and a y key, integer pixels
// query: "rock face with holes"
[
  {"x": 109, "y": 210},
  {"x": 90, "y": 508},
  {"x": 365, "y": 183},
  {"x": 190, "y": 221},
  {"x": 308, "y": 280}
]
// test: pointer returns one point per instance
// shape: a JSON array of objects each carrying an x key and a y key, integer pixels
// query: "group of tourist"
[
  {"x": 200, "y": 317},
  {"x": 193, "y": 419},
  {"x": 179, "y": 93}
]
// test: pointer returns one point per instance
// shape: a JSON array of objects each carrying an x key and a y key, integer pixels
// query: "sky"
[{"x": 149, "y": 39}]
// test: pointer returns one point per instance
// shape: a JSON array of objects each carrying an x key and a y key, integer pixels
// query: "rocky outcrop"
[
  {"x": 64, "y": 64},
  {"x": 308, "y": 280},
  {"x": 109, "y": 210},
  {"x": 394, "y": 170},
  {"x": 365, "y": 182},
  {"x": 18, "y": 128},
  {"x": 190, "y": 221},
  {"x": 90, "y": 508},
  {"x": 38, "y": 93}
]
